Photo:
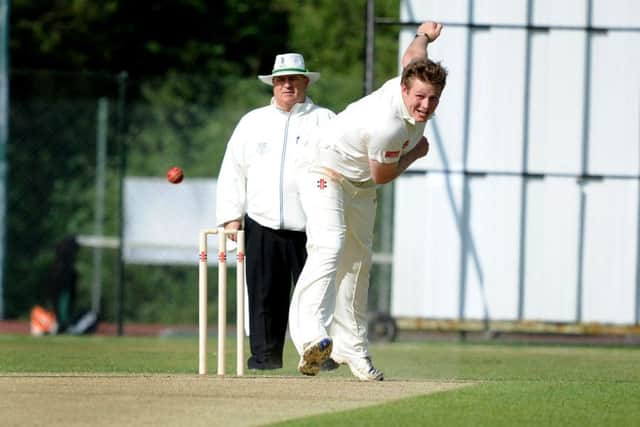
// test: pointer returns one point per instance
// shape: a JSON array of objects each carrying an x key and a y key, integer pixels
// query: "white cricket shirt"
[{"x": 377, "y": 127}]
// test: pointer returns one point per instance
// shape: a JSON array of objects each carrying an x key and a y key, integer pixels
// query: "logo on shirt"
[
  {"x": 405, "y": 144},
  {"x": 391, "y": 154},
  {"x": 322, "y": 183},
  {"x": 262, "y": 148}
]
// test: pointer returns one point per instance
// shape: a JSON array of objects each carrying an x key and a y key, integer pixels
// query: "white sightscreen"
[
  {"x": 614, "y": 131},
  {"x": 551, "y": 260},
  {"x": 492, "y": 256},
  {"x": 544, "y": 224},
  {"x": 495, "y": 141},
  {"x": 427, "y": 248},
  {"x": 162, "y": 220},
  {"x": 556, "y": 103},
  {"x": 610, "y": 251}
]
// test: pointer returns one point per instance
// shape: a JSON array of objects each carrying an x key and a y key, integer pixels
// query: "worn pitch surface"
[{"x": 107, "y": 400}]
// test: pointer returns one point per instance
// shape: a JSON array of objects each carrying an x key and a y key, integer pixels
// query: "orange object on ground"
[{"x": 43, "y": 321}]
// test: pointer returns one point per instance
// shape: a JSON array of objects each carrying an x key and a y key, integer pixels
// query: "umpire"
[{"x": 257, "y": 186}]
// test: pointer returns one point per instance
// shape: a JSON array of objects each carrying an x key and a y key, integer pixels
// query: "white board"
[
  {"x": 569, "y": 273},
  {"x": 162, "y": 220}
]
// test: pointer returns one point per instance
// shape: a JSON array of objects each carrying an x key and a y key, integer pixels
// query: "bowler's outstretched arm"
[{"x": 427, "y": 33}]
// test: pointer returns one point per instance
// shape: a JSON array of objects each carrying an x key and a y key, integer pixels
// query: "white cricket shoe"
[
  {"x": 314, "y": 354},
  {"x": 363, "y": 369}
]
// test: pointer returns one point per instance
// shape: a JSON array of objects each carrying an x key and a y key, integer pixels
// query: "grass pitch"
[{"x": 122, "y": 381}]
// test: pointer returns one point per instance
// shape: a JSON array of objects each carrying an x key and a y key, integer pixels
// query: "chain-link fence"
[{"x": 52, "y": 177}]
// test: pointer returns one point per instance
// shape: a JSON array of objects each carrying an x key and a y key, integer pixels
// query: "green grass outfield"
[{"x": 512, "y": 385}]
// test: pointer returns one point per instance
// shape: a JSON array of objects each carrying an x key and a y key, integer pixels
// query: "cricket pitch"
[{"x": 173, "y": 400}]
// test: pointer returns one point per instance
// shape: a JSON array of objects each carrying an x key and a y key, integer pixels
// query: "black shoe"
[
  {"x": 329, "y": 365},
  {"x": 254, "y": 363}
]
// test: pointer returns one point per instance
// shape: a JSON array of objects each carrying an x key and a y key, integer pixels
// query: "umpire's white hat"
[{"x": 288, "y": 64}]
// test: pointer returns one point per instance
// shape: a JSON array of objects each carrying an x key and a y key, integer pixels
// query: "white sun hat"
[{"x": 288, "y": 64}]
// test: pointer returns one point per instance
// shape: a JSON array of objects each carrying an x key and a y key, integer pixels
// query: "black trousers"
[{"x": 274, "y": 261}]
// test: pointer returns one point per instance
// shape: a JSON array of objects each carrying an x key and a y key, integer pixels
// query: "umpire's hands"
[{"x": 232, "y": 226}]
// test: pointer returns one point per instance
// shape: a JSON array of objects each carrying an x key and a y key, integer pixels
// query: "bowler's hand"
[
  {"x": 422, "y": 148},
  {"x": 431, "y": 29}
]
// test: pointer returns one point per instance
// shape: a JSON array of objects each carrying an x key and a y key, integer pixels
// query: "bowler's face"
[
  {"x": 289, "y": 90},
  {"x": 421, "y": 99}
]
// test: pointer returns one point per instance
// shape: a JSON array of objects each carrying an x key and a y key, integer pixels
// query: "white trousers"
[{"x": 331, "y": 295}]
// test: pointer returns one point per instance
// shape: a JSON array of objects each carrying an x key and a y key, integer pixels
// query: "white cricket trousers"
[{"x": 330, "y": 297}]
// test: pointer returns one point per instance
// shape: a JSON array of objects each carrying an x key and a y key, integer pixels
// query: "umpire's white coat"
[{"x": 258, "y": 172}]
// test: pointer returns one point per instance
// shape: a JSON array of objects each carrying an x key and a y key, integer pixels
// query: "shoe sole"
[
  {"x": 313, "y": 356},
  {"x": 308, "y": 369}
]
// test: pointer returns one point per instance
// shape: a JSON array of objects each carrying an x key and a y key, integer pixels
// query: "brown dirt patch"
[{"x": 171, "y": 400}]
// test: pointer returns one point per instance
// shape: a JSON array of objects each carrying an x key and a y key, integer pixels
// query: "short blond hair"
[{"x": 425, "y": 70}]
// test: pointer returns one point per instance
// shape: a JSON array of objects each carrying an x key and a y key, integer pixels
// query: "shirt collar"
[
  {"x": 300, "y": 106},
  {"x": 404, "y": 113}
]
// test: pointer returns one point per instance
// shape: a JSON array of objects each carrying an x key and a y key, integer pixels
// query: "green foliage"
[
  {"x": 192, "y": 69},
  {"x": 146, "y": 38},
  {"x": 332, "y": 35},
  {"x": 52, "y": 178},
  {"x": 169, "y": 295},
  {"x": 186, "y": 120}
]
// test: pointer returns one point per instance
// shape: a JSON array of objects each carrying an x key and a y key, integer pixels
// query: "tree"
[
  {"x": 332, "y": 36},
  {"x": 145, "y": 38}
]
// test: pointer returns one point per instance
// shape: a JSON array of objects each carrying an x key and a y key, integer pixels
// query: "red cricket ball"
[{"x": 175, "y": 175}]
